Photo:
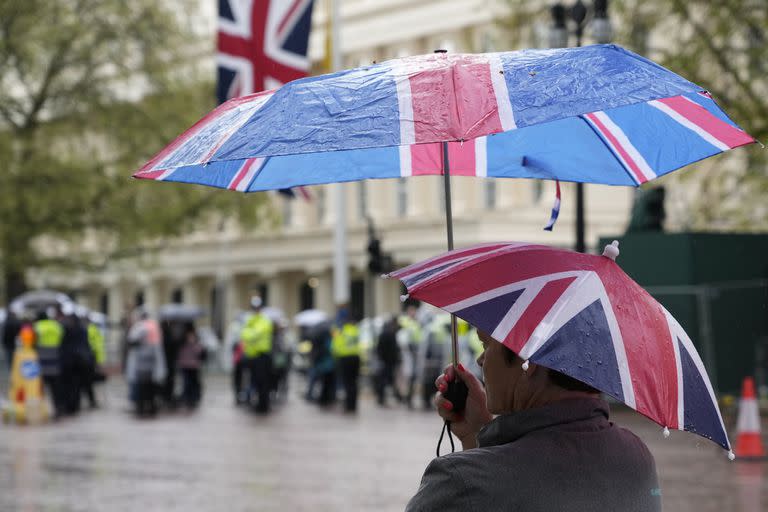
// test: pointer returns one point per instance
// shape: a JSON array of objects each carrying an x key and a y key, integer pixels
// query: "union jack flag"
[
  {"x": 262, "y": 45},
  {"x": 579, "y": 314}
]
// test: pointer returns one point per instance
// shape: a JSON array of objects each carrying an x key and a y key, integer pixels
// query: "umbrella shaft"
[
  {"x": 449, "y": 228},
  {"x": 447, "y": 184}
]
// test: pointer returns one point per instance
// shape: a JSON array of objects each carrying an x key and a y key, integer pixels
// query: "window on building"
[
  {"x": 262, "y": 290},
  {"x": 320, "y": 200},
  {"x": 177, "y": 296},
  {"x": 489, "y": 193},
  {"x": 537, "y": 189},
  {"x": 104, "y": 303},
  {"x": 402, "y": 197},
  {"x": 138, "y": 299},
  {"x": 357, "y": 299},
  {"x": 287, "y": 211},
  {"x": 306, "y": 296},
  {"x": 362, "y": 199}
]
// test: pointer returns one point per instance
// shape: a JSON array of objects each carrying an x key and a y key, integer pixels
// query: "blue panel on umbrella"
[
  {"x": 346, "y": 110},
  {"x": 664, "y": 143},
  {"x": 488, "y": 314},
  {"x": 583, "y": 349},
  {"x": 567, "y": 150},
  {"x": 552, "y": 84},
  {"x": 700, "y": 416}
]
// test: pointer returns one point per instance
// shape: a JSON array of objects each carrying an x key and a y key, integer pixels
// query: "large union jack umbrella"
[
  {"x": 581, "y": 315},
  {"x": 597, "y": 114}
]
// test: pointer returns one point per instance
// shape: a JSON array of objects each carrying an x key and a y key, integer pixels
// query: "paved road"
[{"x": 298, "y": 459}]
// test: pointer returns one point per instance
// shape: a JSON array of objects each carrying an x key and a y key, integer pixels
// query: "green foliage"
[
  {"x": 90, "y": 90},
  {"x": 722, "y": 46}
]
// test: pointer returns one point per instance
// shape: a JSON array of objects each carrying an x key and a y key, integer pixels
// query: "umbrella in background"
[
  {"x": 595, "y": 114},
  {"x": 180, "y": 312},
  {"x": 581, "y": 315},
  {"x": 310, "y": 318},
  {"x": 275, "y": 314},
  {"x": 40, "y": 300}
]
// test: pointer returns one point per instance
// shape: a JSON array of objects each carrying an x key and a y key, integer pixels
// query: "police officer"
[
  {"x": 49, "y": 334},
  {"x": 96, "y": 369},
  {"x": 256, "y": 339},
  {"x": 345, "y": 347}
]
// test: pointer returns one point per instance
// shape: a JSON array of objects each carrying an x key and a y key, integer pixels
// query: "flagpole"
[{"x": 340, "y": 264}]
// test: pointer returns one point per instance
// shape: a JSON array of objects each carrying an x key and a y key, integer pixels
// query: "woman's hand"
[{"x": 475, "y": 415}]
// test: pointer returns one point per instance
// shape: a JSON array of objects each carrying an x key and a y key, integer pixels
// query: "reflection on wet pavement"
[{"x": 299, "y": 459}]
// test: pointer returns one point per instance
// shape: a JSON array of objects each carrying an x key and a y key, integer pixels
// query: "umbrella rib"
[{"x": 610, "y": 150}]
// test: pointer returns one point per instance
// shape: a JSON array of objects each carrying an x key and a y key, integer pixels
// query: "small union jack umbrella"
[
  {"x": 581, "y": 315},
  {"x": 595, "y": 114}
]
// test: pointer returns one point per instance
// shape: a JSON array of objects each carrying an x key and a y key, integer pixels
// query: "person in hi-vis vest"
[
  {"x": 256, "y": 339},
  {"x": 345, "y": 347},
  {"x": 49, "y": 334}
]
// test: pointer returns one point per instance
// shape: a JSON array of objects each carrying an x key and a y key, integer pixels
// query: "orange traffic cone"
[{"x": 749, "y": 445}]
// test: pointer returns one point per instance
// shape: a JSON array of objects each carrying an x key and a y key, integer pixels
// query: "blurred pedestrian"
[
  {"x": 145, "y": 368},
  {"x": 345, "y": 347},
  {"x": 97, "y": 370},
  {"x": 256, "y": 337},
  {"x": 49, "y": 334},
  {"x": 281, "y": 361},
  {"x": 191, "y": 358},
  {"x": 434, "y": 356},
  {"x": 76, "y": 357},
  {"x": 551, "y": 437},
  {"x": 388, "y": 354},
  {"x": 323, "y": 365},
  {"x": 11, "y": 329},
  {"x": 174, "y": 337},
  {"x": 409, "y": 337}
]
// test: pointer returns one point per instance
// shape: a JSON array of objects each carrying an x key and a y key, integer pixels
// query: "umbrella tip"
[
  {"x": 526, "y": 365},
  {"x": 666, "y": 432},
  {"x": 404, "y": 298},
  {"x": 731, "y": 455},
  {"x": 611, "y": 250}
]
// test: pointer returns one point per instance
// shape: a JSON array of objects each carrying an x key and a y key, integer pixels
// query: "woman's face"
[{"x": 503, "y": 381}]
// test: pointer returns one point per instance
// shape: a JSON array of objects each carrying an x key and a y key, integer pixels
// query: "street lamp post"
[{"x": 558, "y": 38}]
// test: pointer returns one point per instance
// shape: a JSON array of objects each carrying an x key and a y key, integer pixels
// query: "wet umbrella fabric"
[
  {"x": 596, "y": 114},
  {"x": 581, "y": 315},
  {"x": 180, "y": 312}
]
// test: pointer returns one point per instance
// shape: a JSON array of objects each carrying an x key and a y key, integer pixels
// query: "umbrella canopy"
[
  {"x": 180, "y": 312},
  {"x": 310, "y": 317},
  {"x": 274, "y": 314},
  {"x": 581, "y": 315},
  {"x": 40, "y": 300},
  {"x": 596, "y": 114}
]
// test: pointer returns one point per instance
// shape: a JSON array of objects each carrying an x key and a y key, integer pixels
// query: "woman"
[{"x": 551, "y": 447}]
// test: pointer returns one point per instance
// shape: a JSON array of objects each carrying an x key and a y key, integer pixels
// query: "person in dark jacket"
[
  {"x": 191, "y": 358},
  {"x": 551, "y": 447},
  {"x": 388, "y": 353},
  {"x": 11, "y": 328},
  {"x": 76, "y": 358}
]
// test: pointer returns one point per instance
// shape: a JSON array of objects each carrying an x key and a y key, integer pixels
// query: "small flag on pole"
[{"x": 555, "y": 209}]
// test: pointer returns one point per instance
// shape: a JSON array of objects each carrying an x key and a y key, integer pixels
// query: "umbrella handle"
[{"x": 457, "y": 393}]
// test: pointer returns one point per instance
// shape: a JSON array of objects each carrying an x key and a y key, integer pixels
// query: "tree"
[
  {"x": 89, "y": 90},
  {"x": 721, "y": 46}
]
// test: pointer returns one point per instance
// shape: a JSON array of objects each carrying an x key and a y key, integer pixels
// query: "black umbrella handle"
[{"x": 457, "y": 394}]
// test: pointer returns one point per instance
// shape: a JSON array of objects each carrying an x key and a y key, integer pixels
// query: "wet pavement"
[{"x": 298, "y": 459}]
